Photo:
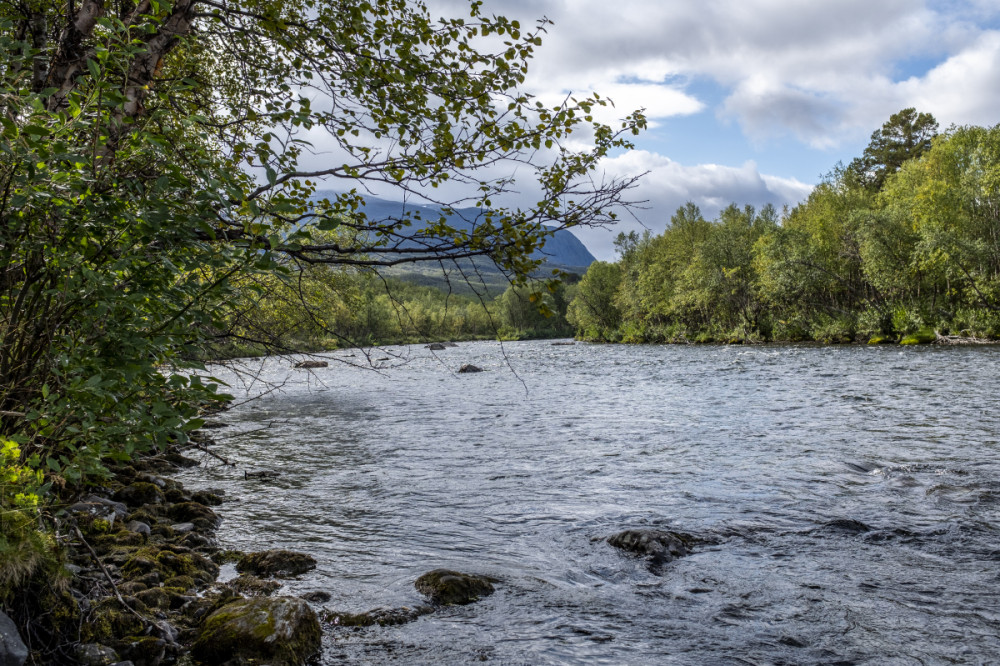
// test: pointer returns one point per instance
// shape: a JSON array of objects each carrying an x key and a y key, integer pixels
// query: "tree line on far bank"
[
  {"x": 320, "y": 308},
  {"x": 903, "y": 242}
]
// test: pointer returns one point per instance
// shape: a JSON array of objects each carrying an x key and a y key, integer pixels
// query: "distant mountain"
[{"x": 562, "y": 249}]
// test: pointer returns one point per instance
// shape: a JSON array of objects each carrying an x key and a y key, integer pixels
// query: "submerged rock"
[
  {"x": 436, "y": 346},
  {"x": 309, "y": 365},
  {"x": 847, "y": 525},
  {"x": 468, "y": 367},
  {"x": 444, "y": 587},
  {"x": 276, "y": 563},
  {"x": 282, "y": 631},
  {"x": 382, "y": 617},
  {"x": 660, "y": 546}
]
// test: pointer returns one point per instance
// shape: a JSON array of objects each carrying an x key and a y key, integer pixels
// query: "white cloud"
[
  {"x": 668, "y": 185},
  {"x": 823, "y": 73}
]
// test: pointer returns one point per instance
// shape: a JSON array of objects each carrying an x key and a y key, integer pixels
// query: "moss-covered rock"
[
  {"x": 282, "y": 631},
  {"x": 139, "y": 493},
  {"x": 252, "y": 586},
  {"x": 169, "y": 562},
  {"x": 142, "y": 650},
  {"x": 182, "y": 582},
  {"x": 924, "y": 336},
  {"x": 154, "y": 597},
  {"x": 176, "y": 496},
  {"x": 445, "y": 587},
  {"x": 881, "y": 340},
  {"x": 108, "y": 620},
  {"x": 275, "y": 563},
  {"x": 227, "y": 556},
  {"x": 207, "y": 498},
  {"x": 94, "y": 654},
  {"x": 191, "y": 512}
]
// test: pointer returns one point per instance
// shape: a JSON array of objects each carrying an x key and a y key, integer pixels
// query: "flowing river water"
[{"x": 846, "y": 499}]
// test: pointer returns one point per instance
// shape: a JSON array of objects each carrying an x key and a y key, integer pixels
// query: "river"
[{"x": 846, "y": 500}]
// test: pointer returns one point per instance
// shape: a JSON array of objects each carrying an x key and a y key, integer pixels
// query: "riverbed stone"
[
  {"x": 445, "y": 587},
  {"x": 847, "y": 526},
  {"x": 281, "y": 631},
  {"x": 13, "y": 651},
  {"x": 310, "y": 365},
  {"x": 660, "y": 546},
  {"x": 382, "y": 617},
  {"x": 276, "y": 562}
]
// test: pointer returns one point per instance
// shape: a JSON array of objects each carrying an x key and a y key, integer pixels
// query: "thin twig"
[
  {"x": 111, "y": 581},
  {"x": 205, "y": 449}
]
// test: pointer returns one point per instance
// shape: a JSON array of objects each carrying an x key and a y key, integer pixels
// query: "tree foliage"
[
  {"x": 852, "y": 261},
  {"x": 160, "y": 163},
  {"x": 905, "y": 136}
]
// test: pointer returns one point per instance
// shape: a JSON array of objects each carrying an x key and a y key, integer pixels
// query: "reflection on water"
[{"x": 847, "y": 498}]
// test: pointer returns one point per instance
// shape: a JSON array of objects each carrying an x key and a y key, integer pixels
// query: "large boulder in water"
[
  {"x": 445, "y": 587},
  {"x": 658, "y": 545},
  {"x": 283, "y": 631},
  {"x": 468, "y": 367}
]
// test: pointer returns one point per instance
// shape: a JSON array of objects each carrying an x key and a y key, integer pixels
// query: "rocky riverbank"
[{"x": 140, "y": 586}]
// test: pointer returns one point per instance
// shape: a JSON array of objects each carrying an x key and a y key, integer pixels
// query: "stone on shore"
[
  {"x": 13, "y": 651},
  {"x": 282, "y": 631}
]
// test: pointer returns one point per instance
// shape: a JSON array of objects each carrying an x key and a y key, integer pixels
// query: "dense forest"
[{"x": 903, "y": 244}]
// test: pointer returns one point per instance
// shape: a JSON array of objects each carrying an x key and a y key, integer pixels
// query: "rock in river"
[
  {"x": 276, "y": 563},
  {"x": 445, "y": 587},
  {"x": 282, "y": 631},
  {"x": 468, "y": 367},
  {"x": 659, "y": 545},
  {"x": 310, "y": 365}
]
